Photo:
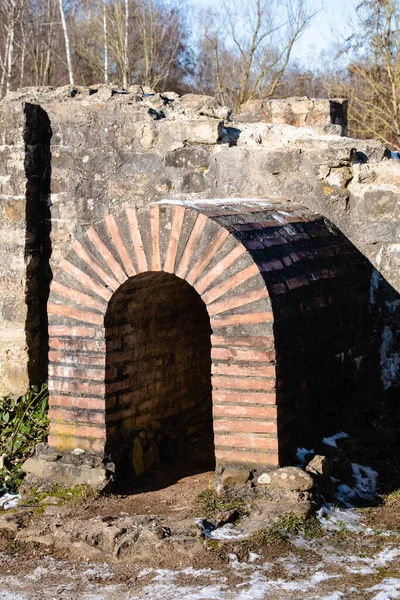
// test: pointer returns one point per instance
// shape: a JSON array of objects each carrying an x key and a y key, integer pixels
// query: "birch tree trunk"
[
  {"x": 3, "y": 75},
  {"x": 126, "y": 59},
  {"x": 67, "y": 45},
  {"x": 23, "y": 52},
  {"x": 10, "y": 54},
  {"x": 105, "y": 41}
]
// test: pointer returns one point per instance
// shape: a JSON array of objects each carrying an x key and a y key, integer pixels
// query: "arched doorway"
[{"x": 158, "y": 377}]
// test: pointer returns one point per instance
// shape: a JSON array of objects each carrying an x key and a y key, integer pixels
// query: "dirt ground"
[{"x": 357, "y": 557}]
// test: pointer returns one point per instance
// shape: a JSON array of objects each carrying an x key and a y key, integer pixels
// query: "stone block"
[
  {"x": 15, "y": 210},
  {"x": 194, "y": 104},
  {"x": 234, "y": 477},
  {"x": 194, "y": 183},
  {"x": 393, "y": 252},
  {"x": 319, "y": 465},
  {"x": 172, "y": 135},
  {"x": 129, "y": 186},
  {"x": 188, "y": 157},
  {"x": 287, "y": 478},
  {"x": 67, "y": 475},
  {"x": 375, "y": 232},
  {"x": 298, "y": 112},
  {"x": 380, "y": 203}
]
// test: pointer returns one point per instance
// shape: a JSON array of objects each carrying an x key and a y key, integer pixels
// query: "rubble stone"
[{"x": 288, "y": 478}]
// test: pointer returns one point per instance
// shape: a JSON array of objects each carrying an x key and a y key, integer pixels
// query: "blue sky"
[
  {"x": 318, "y": 37},
  {"x": 334, "y": 14}
]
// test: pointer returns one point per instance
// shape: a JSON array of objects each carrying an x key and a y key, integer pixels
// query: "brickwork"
[
  {"x": 269, "y": 280},
  {"x": 305, "y": 334},
  {"x": 158, "y": 374}
]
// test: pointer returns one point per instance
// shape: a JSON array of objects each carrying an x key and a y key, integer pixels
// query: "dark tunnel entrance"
[{"x": 158, "y": 380}]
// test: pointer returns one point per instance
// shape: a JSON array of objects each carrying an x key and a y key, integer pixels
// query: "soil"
[
  {"x": 341, "y": 564},
  {"x": 155, "y": 495}
]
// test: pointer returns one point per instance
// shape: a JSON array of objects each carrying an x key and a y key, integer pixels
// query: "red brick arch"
[{"x": 195, "y": 244}]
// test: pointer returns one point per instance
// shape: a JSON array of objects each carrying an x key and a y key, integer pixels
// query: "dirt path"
[{"x": 357, "y": 557}]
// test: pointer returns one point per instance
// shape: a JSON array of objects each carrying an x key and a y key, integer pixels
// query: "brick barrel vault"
[{"x": 275, "y": 282}]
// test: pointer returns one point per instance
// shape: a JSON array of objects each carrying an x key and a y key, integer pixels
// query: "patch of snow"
[
  {"x": 389, "y": 359},
  {"x": 389, "y": 589},
  {"x": 364, "y": 487},
  {"x": 165, "y": 586},
  {"x": 199, "y": 572},
  {"x": 292, "y": 564},
  {"x": 227, "y": 532},
  {"x": 365, "y": 480},
  {"x": 9, "y": 501},
  {"x": 301, "y": 454},
  {"x": 101, "y": 572},
  {"x": 345, "y": 494},
  {"x": 217, "y": 201},
  {"x": 386, "y": 556},
  {"x": 331, "y": 441},
  {"x": 338, "y": 519},
  {"x": 278, "y": 218},
  {"x": 300, "y": 542},
  {"x": 37, "y": 574},
  {"x": 253, "y": 557}
]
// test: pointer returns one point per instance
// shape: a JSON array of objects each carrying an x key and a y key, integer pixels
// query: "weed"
[
  {"x": 213, "y": 545},
  {"x": 210, "y": 503},
  {"x": 290, "y": 524},
  {"x": 267, "y": 536},
  {"x": 341, "y": 525},
  {"x": 75, "y": 495},
  {"x": 23, "y": 423},
  {"x": 395, "y": 495}
]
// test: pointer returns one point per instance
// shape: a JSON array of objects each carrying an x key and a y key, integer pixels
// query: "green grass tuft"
[{"x": 210, "y": 503}]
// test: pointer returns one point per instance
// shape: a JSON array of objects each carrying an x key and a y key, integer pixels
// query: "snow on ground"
[
  {"x": 9, "y": 501},
  {"x": 316, "y": 569},
  {"x": 331, "y": 441}
]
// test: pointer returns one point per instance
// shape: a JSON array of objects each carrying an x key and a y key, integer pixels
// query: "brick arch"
[
  {"x": 188, "y": 241},
  {"x": 288, "y": 297}
]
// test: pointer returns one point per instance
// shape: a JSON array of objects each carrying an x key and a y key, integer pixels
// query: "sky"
[{"x": 333, "y": 14}]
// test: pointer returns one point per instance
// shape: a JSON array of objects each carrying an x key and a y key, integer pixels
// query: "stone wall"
[{"x": 109, "y": 150}]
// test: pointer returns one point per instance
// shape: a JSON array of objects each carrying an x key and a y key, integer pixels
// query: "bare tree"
[
  {"x": 12, "y": 11},
  {"x": 371, "y": 79},
  {"x": 159, "y": 34},
  {"x": 251, "y": 43}
]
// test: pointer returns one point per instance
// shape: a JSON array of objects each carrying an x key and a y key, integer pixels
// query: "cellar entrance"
[{"x": 158, "y": 379}]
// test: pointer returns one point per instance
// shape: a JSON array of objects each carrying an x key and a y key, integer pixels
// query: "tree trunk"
[
  {"x": 23, "y": 52},
  {"x": 105, "y": 42},
  {"x": 126, "y": 60},
  {"x": 10, "y": 58},
  {"x": 67, "y": 46},
  {"x": 3, "y": 75}
]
